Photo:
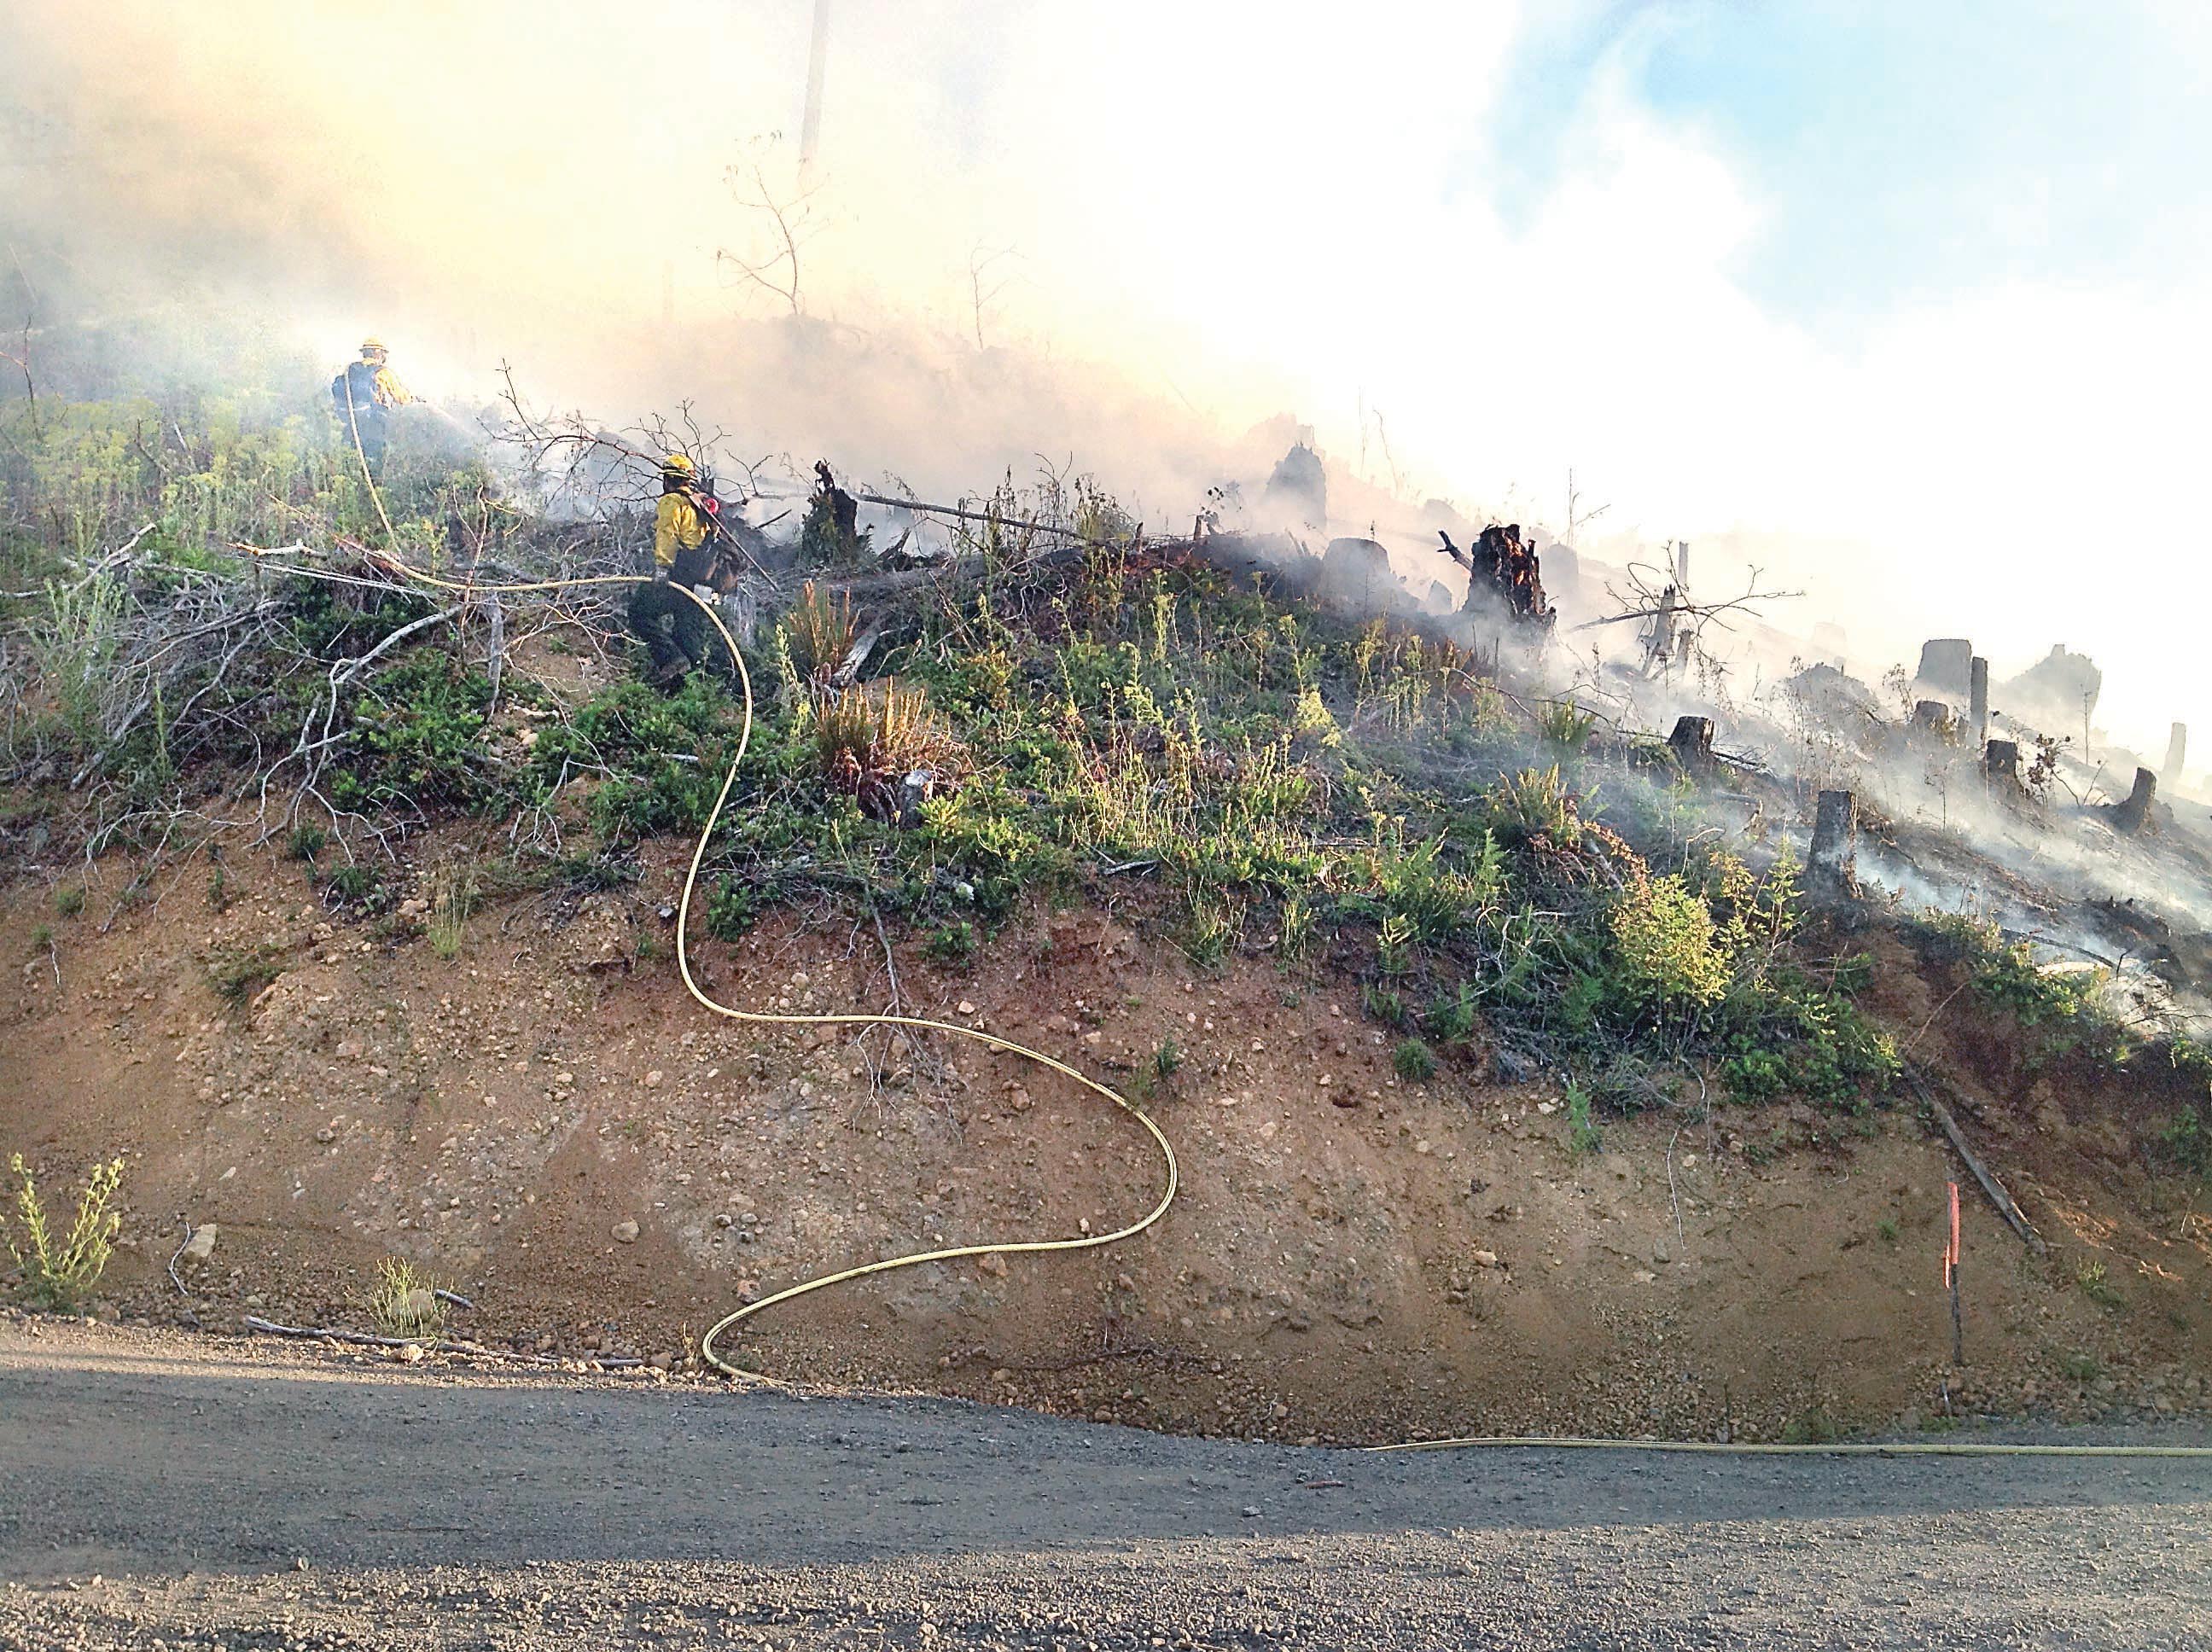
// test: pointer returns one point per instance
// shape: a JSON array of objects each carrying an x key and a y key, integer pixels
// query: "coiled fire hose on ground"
[
  {"x": 1169, "y": 1176},
  {"x": 1170, "y": 1179}
]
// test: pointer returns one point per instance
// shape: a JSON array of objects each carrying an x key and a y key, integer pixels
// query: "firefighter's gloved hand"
[{"x": 706, "y": 594}]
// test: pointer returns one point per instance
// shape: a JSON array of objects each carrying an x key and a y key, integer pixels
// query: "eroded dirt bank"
[{"x": 547, "y": 1123}]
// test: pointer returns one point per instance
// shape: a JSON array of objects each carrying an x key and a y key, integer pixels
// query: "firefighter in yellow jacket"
[
  {"x": 364, "y": 395},
  {"x": 684, "y": 553}
]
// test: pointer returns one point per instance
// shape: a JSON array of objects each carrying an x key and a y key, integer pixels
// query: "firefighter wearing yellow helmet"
[
  {"x": 364, "y": 395},
  {"x": 674, "y": 630}
]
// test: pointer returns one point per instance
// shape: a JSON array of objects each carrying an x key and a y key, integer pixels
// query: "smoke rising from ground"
[{"x": 1122, "y": 234}]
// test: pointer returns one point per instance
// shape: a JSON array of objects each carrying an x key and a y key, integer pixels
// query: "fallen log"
[
  {"x": 442, "y": 1346},
  {"x": 1983, "y": 1174}
]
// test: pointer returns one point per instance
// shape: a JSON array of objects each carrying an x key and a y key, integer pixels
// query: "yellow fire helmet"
[
  {"x": 372, "y": 347},
  {"x": 679, "y": 465}
]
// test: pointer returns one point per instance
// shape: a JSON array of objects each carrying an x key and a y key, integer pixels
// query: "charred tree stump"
[
  {"x": 916, "y": 789},
  {"x": 2001, "y": 766},
  {"x": 1692, "y": 743},
  {"x": 2133, "y": 814},
  {"x": 1977, "y": 699},
  {"x": 1933, "y": 718},
  {"x": 1946, "y": 663},
  {"x": 1832, "y": 866}
]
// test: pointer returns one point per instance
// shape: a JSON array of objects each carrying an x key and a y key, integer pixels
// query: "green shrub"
[
  {"x": 1783, "y": 1033},
  {"x": 452, "y": 897},
  {"x": 660, "y": 758},
  {"x": 1670, "y": 958},
  {"x": 354, "y": 885},
  {"x": 405, "y": 1301},
  {"x": 1451, "y": 1016},
  {"x": 306, "y": 842},
  {"x": 1385, "y": 1006},
  {"x": 732, "y": 908},
  {"x": 2089, "y": 1275},
  {"x": 1414, "y": 1060},
  {"x": 58, "y": 1273},
  {"x": 237, "y": 973},
  {"x": 2065, "y": 1006},
  {"x": 1562, "y": 723},
  {"x": 1582, "y": 1136},
  {"x": 1212, "y": 925},
  {"x": 953, "y": 942},
  {"x": 69, "y": 901},
  {"x": 1535, "y": 809},
  {"x": 418, "y": 740}
]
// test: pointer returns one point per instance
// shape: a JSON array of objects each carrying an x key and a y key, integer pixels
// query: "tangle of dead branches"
[
  {"x": 785, "y": 219},
  {"x": 1675, "y": 623}
]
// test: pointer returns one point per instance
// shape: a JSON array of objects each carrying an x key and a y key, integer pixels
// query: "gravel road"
[{"x": 156, "y": 1491}]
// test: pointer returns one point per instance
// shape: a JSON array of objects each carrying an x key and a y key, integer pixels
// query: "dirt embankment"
[{"x": 548, "y": 1124}]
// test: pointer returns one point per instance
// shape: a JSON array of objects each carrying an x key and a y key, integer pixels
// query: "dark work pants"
[
  {"x": 672, "y": 627},
  {"x": 371, "y": 423}
]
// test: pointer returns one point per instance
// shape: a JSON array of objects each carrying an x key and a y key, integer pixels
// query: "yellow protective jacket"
[
  {"x": 679, "y": 526},
  {"x": 390, "y": 393}
]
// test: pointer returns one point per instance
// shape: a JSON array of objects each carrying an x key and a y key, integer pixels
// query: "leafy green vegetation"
[
  {"x": 2187, "y": 1137},
  {"x": 1413, "y": 1060},
  {"x": 406, "y": 1303},
  {"x": 60, "y": 1270},
  {"x": 1256, "y": 779},
  {"x": 2090, "y": 1275},
  {"x": 1582, "y": 1136},
  {"x": 2063, "y": 1006},
  {"x": 238, "y": 972}
]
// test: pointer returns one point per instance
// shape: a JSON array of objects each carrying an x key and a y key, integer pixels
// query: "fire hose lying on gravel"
[{"x": 1169, "y": 1176}]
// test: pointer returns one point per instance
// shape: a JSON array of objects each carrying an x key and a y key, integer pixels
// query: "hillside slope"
[{"x": 1431, "y": 1257}]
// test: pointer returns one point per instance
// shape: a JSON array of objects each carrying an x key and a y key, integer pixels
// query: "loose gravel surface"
[{"x": 160, "y": 1491}]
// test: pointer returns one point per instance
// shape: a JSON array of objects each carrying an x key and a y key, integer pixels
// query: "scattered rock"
[
  {"x": 200, "y": 1245},
  {"x": 993, "y": 1264},
  {"x": 626, "y": 1232},
  {"x": 417, "y": 1308}
]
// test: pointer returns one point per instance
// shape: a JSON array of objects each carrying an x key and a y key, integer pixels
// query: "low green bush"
[{"x": 59, "y": 1270}]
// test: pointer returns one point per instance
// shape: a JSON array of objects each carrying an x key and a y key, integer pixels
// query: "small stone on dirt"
[{"x": 627, "y": 1232}]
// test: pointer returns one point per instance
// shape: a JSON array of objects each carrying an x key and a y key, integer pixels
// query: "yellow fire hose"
[
  {"x": 757, "y": 1018},
  {"x": 1169, "y": 1176}
]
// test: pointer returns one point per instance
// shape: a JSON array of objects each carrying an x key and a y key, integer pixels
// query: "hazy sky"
[{"x": 1907, "y": 300}]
